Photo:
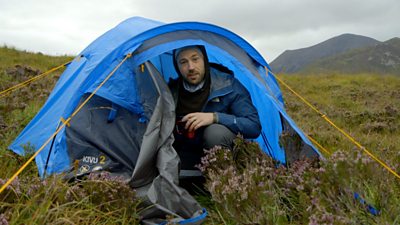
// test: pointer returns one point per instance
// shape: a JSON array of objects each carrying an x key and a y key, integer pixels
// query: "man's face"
[{"x": 191, "y": 65}]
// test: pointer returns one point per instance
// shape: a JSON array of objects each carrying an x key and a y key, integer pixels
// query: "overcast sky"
[{"x": 271, "y": 26}]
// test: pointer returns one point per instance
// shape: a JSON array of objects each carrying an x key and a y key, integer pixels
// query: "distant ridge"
[
  {"x": 383, "y": 58},
  {"x": 293, "y": 61}
]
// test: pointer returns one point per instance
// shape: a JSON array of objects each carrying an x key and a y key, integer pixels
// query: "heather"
[
  {"x": 248, "y": 187},
  {"x": 245, "y": 186}
]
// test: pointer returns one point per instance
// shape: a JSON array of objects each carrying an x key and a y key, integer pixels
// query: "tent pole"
[{"x": 51, "y": 148}]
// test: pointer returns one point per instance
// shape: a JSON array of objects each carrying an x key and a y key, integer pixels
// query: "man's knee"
[{"x": 217, "y": 134}]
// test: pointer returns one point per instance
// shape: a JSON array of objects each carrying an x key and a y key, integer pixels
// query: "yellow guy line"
[
  {"x": 319, "y": 146},
  {"x": 20, "y": 85},
  {"x": 63, "y": 125},
  {"x": 309, "y": 137},
  {"x": 339, "y": 129}
]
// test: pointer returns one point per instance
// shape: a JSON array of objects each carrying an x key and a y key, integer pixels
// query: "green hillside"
[
  {"x": 17, "y": 108},
  {"x": 248, "y": 188}
]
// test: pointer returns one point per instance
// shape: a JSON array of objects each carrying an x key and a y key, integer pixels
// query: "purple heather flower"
[{"x": 3, "y": 220}]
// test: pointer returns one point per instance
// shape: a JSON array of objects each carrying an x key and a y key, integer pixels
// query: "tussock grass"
[{"x": 99, "y": 199}]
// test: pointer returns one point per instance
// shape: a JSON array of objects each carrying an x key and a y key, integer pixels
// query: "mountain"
[
  {"x": 292, "y": 61},
  {"x": 383, "y": 58}
]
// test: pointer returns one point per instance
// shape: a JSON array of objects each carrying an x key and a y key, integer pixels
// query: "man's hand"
[{"x": 196, "y": 120}]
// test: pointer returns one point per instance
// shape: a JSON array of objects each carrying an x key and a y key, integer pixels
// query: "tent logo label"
[{"x": 90, "y": 159}]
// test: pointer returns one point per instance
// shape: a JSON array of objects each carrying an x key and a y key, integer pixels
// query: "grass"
[
  {"x": 53, "y": 201},
  {"x": 251, "y": 189},
  {"x": 365, "y": 106}
]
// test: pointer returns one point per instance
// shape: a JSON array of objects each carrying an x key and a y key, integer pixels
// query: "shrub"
[{"x": 250, "y": 188}]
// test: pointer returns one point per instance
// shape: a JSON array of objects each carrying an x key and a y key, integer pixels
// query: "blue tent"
[
  {"x": 133, "y": 91},
  {"x": 154, "y": 41}
]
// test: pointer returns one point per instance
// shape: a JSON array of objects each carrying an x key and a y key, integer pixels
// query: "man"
[{"x": 212, "y": 107}]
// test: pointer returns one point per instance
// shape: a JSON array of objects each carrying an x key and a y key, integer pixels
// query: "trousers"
[{"x": 190, "y": 150}]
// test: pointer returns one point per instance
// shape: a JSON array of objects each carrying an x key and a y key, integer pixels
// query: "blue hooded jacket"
[
  {"x": 228, "y": 98},
  {"x": 232, "y": 103}
]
